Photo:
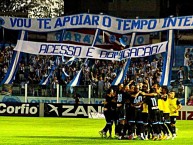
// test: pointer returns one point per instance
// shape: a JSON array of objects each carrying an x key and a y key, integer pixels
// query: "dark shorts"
[
  {"x": 121, "y": 113},
  {"x": 154, "y": 116},
  {"x": 145, "y": 118},
  {"x": 166, "y": 117},
  {"x": 130, "y": 115},
  {"x": 138, "y": 115},
  {"x": 108, "y": 116},
  {"x": 173, "y": 119}
]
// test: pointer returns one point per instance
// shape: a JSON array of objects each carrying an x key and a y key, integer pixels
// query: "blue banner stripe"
[
  {"x": 120, "y": 77},
  {"x": 76, "y": 80},
  {"x": 171, "y": 58},
  {"x": 14, "y": 65}
]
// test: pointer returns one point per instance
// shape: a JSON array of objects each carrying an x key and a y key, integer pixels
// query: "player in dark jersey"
[
  {"x": 138, "y": 105},
  {"x": 162, "y": 127},
  {"x": 135, "y": 113},
  {"x": 108, "y": 114},
  {"x": 120, "y": 95},
  {"x": 152, "y": 102},
  {"x": 145, "y": 118},
  {"x": 127, "y": 108}
]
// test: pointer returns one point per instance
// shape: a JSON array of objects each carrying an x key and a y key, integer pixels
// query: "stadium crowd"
[{"x": 99, "y": 73}]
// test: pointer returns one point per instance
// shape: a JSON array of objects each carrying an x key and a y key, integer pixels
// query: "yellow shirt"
[
  {"x": 145, "y": 108},
  {"x": 166, "y": 108},
  {"x": 160, "y": 104},
  {"x": 173, "y": 106}
]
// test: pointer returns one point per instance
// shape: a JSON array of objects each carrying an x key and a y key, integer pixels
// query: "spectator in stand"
[
  {"x": 180, "y": 74},
  {"x": 190, "y": 100},
  {"x": 180, "y": 90},
  {"x": 4, "y": 70},
  {"x": 54, "y": 86},
  {"x": 100, "y": 87},
  {"x": 186, "y": 66},
  {"x": 1, "y": 59},
  {"x": 107, "y": 84}
]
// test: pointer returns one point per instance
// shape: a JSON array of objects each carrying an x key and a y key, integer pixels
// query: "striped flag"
[
  {"x": 122, "y": 42},
  {"x": 63, "y": 59},
  {"x": 14, "y": 65},
  {"x": 76, "y": 80},
  {"x": 64, "y": 74},
  {"x": 46, "y": 81},
  {"x": 168, "y": 60},
  {"x": 71, "y": 60},
  {"x": 121, "y": 76}
]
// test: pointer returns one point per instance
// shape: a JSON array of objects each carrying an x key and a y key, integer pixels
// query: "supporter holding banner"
[{"x": 80, "y": 51}]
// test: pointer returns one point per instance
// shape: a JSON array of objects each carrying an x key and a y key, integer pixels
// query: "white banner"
[
  {"x": 103, "y": 22},
  {"x": 80, "y": 51},
  {"x": 85, "y": 38}
]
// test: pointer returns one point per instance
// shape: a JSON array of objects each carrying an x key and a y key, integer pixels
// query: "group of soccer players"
[{"x": 138, "y": 111}]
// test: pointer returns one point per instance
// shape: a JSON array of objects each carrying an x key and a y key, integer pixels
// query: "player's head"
[
  {"x": 108, "y": 92},
  {"x": 120, "y": 86},
  {"x": 145, "y": 88},
  {"x": 165, "y": 89},
  {"x": 171, "y": 94},
  {"x": 156, "y": 86},
  {"x": 136, "y": 88},
  {"x": 127, "y": 88}
]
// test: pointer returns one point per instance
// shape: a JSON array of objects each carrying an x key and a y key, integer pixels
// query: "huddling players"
[{"x": 139, "y": 111}]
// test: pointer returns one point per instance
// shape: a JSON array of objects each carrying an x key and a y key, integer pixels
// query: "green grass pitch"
[{"x": 73, "y": 131}]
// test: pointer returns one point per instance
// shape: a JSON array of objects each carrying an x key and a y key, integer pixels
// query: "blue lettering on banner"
[
  {"x": 67, "y": 50},
  {"x": 87, "y": 20},
  {"x": 98, "y": 40},
  {"x": 147, "y": 50},
  {"x": 67, "y": 36},
  {"x": 177, "y": 21},
  {"x": 20, "y": 22},
  {"x": 109, "y": 54},
  {"x": 58, "y": 36},
  {"x": 139, "y": 51},
  {"x": 83, "y": 38},
  {"x": 88, "y": 51},
  {"x": 58, "y": 23},
  {"x": 136, "y": 24},
  {"x": 187, "y": 21},
  {"x": 79, "y": 20},
  {"x": 106, "y": 21},
  {"x": 152, "y": 24},
  {"x": 126, "y": 25},
  {"x": 66, "y": 19},
  {"x": 46, "y": 23},
  {"x": 77, "y": 37},
  {"x": 86, "y": 39},
  {"x": 115, "y": 25}
]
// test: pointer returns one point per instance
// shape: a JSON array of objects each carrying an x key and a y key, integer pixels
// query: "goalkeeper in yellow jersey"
[{"x": 174, "y": 106}]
